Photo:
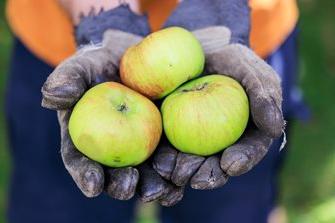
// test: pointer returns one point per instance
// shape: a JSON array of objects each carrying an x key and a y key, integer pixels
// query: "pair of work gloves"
[{"x": 222, "y": 27}]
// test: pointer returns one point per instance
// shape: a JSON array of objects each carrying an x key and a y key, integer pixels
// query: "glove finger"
[
  {"x": 173, "y": 196},
  {"x": 266, "y": 115},
  {"x": 151, "y": 185},
  {"x": 118, "y": 42},
  {"x": 186, "y": 166},
  {"x": 246, "y": 153},
  {"x": 209, "y": 175},
  {"x": 122, "y": 182},
  {"x": 86, "y": 173},
  {"x": 68, "y": 82},
  {"x": 260, "y": 81},
  {"x": 164, "y": 159}
]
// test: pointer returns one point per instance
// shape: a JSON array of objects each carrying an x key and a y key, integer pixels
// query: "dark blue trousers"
[{"x": 41, "y": 191}]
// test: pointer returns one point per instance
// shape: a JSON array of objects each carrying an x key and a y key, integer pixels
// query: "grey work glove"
[
  {"x": 222, "y": 27},
  {"x": 95, "y": 63}
]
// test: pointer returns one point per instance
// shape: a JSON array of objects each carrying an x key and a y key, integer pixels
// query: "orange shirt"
[
  {"x": 271, "y": 22},
  {"x": 43, "y": 26},
  {"x": 45, "y": 29}
]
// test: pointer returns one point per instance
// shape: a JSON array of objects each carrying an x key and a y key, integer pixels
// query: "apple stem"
[
  {"x": 202, "y": 86},
  {"x": 196, "y": 88}
]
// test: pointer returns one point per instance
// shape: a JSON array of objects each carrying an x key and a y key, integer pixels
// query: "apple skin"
[
  {"x": 161, "y": 62},
  {"x": 205, "y": 115},
  {"x": 115, "y": 125}
]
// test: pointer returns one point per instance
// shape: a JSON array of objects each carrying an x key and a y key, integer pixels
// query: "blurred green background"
[
  {"x": 5, "y": 44},
  {"x": 307, "y": 181}
]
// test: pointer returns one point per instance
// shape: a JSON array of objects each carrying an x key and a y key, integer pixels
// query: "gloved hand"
[
  {"x": 222, "y": 27},
  {"x": 93, "y": 64}
]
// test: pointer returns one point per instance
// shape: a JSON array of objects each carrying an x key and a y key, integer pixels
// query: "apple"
[
  {"x": 205, "y": 115},
  {"x": 115, "y": 125},
  {"x": 161, "y": 62}
]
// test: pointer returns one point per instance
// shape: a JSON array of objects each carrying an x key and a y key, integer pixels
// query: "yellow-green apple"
[
  {"x": 161, "y": 62},
  {"x": 115, "y": 125},
  {"x": 205, "y": 115}
]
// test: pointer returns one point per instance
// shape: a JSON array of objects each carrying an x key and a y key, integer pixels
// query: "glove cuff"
[
  {"x": 198, "y": 14},
  {"x": 213, "y": 38},
  {"x": 92, "y": 27}
]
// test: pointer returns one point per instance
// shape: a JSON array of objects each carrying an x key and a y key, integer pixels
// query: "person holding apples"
[{"x": 104, "y": 29}]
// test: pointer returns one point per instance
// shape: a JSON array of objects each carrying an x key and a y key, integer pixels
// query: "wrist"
[{"x": 78, "y": 8}]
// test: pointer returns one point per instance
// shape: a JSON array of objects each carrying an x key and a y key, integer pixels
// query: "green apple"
[
  {"x": 161, "y": 62},
  {"x": 115, "y": 125},
  {"x": 205, "y": 115}
]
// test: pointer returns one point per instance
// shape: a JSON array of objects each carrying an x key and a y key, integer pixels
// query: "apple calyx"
[{"x": 122, "y": 108}]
